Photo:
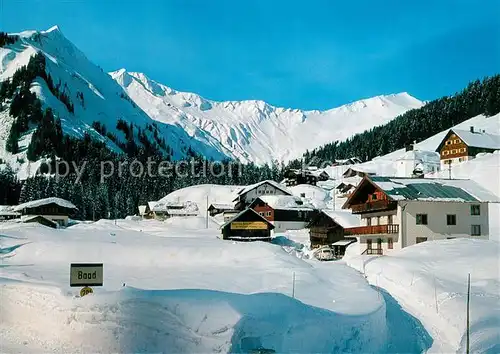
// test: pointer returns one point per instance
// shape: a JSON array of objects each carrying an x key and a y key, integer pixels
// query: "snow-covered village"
[{"x": 136, "y": 218}]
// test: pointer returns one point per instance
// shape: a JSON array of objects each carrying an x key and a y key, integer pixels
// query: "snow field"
[
  {"x": 429, "y": 280},
  {"x": 185, "y": 290}
]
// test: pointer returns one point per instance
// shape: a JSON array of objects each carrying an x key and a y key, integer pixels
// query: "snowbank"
[
  {"x": 430, "y": 281},
  {"x": 191, "y": 292}
]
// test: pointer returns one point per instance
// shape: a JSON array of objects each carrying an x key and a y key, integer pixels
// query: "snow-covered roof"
[
  {"x": 271, "y": 182},
  {"x": 283, "y": 202},
  {"x": 151, "y": 205},
  {"x": 7, "y": 210},
  {"x": 421, "y": 156},
  {"x": 28, "y": 218},
  {"x": 343, "y": 218},
  {"x": 478, "y": 139},
  {"x": 344, "y": 242},
  {"x": 434, "y": 189},
  {"x": 46, "y": 201},
  {"x": 222, "y": 206}
]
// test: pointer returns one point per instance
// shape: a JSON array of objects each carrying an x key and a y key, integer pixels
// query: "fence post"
[{"x": 468, "y": 308}]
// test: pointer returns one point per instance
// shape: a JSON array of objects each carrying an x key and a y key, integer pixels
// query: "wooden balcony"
[
  {"x": 379, "y": 205},
  {"x": 371, "y": 230}
]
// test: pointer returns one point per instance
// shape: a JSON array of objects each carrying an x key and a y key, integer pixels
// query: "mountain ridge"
[
  {"x": 248, "y": 130},
  {"x": 249, "y": 139}
]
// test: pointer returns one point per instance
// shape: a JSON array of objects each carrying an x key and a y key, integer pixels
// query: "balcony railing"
[
  {"x": 378, "y": 205},
  {"x": 372, "y": 230}
]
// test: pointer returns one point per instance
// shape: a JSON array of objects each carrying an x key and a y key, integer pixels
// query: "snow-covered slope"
[
  {"x": 103, "y": 99},
  {"x": 186, "y": 292},
  {"x": 254, "y": 130},
  {"x": 430, "y": 281}
]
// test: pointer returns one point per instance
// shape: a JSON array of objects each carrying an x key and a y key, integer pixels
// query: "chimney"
[{"x": 471, "y": 129}]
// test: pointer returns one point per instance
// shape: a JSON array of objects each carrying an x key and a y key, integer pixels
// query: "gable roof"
[
  {"x": 343, "y": 217},
  {"x": 268, "y": 181},
  {"x": 221, "y": 206},
  {"x": 247, "y": 210},
  {"x": 284, "y": 202},
  {"x": 40, "y": 202},
  {"x": 430, "y": 189},
  {"x": 476, "y": 139}
]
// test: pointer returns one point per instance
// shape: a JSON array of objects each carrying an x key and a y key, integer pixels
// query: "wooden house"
[
  {"x": 55, "y": 209},
  {"x": 248, "y": 194},
  {"x": 284, "y": 211},
  {"x": 247, "y": 225},
  {"x": 327, "y": 228},
  {"x": 39, "y": 219},
  {"x": 219, "y": 208},
  {"x": 7, "y": 213},
  {"x": 462, "y": 145},
  {"x": 294, "y": 177},
  {"x": 399, "y": 212}
]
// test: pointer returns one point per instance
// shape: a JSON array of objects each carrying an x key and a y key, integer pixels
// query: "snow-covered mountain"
[
  {"x": 250, "y": 131},
  {"x": 254, "y": 130},
  {"x": 94, "y": 94}
]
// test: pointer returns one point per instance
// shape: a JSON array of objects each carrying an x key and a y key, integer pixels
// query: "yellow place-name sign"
[
  {"x": 85, "y": 291},
  {"x": 248, "y": 225}
]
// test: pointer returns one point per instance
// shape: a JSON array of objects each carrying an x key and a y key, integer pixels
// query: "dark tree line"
[
  {"x": 6, "y": 39},
  {"x": 479, "y": 97}
]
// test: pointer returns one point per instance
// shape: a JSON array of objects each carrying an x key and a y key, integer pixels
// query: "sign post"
[{"x": 86, "y": 275}]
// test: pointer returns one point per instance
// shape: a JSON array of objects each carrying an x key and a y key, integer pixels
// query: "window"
[
  {"x": 462, "y": 150},
  {"x": 389, "y": 219},
  {"x": 268, "y": 213},
  {"x": 378, "y": 220},
  {"x": 448, "y": 142},
  {"x": 369, "y": 244},
  {"x": 451, "y": 219},
  {"x": 454, "y": 151},
  {"x": 261, "y": 213},
  {"x": 475, "y": 209},
  {"x": 446, "y": 152},
  {"x": 259, "y": 192},
  {"x": 457, "y": 141},
  {"x": 475, "y": 230},
  {"x": 390, "y": 244},
  {"x": 448, "y": 162},
  {"x": 421, "y": 239},
  {"x": 368, "y": 221},
  {"x": 374, "y": 196},
  {"x": 421, "y": 219},
  {"x": 460, "y": 159},
  {"x": 379, "y": 243}
]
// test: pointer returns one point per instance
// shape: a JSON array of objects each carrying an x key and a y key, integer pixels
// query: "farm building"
[
  {"x": 327, "y": 228},
  {"x": 284, "y": 211},
  {"x": 247, "y": 225},
  {"x": 248, "y": 194},
  {"x": 219, "y": 208},
  {"x": 55, "y": 209}
]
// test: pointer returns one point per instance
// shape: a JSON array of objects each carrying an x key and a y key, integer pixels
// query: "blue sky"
[{"x": 301, "y": 54}]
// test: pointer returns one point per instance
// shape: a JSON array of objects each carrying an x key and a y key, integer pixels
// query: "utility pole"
[
  {"x": 449, "y": 170},
  {"x": 468, "y": 307},
  {"x": 206, "y": 212},
  {"x": 293, "y": 286}
]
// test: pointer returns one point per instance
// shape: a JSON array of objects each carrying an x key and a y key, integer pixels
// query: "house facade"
[
  {"x": 462, "y": 145},
  {"x": 396, "y": 212},
  {"x": 55, "y": 209},
  {"x": 327, "y": 228},
  {"x": 283, "y": 211},
  {"x": 219, "y": 208},
  {"x": 247, "y": 225},
  {"x": 7, "y": 213},
  {"x": 248, "y": 194}
]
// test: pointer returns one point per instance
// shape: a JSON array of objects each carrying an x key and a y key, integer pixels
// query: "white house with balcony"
[{"x": 400, "y": 212}]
